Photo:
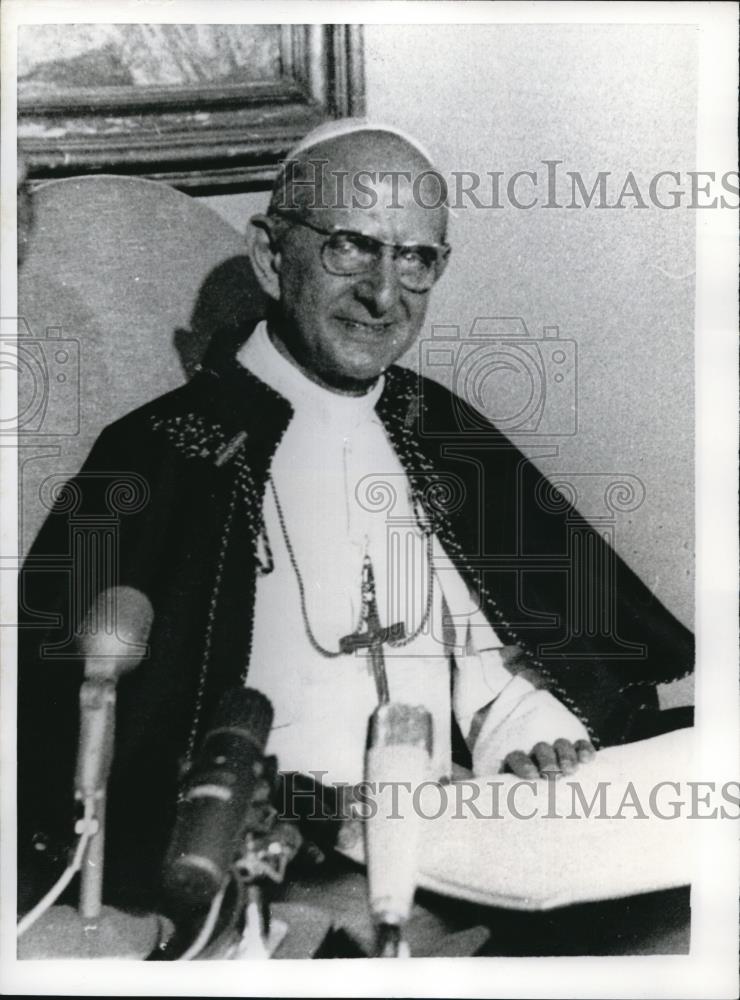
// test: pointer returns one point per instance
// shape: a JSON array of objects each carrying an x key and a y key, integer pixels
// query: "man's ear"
[{"x": 264, "y": 255}]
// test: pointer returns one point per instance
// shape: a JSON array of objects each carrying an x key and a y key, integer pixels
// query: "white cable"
[
  {"x": 207, "y": 929},
  {"x": 67, "y": 875}
]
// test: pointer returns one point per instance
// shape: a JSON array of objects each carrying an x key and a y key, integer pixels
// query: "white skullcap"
[{"x": 347, "y": 126}]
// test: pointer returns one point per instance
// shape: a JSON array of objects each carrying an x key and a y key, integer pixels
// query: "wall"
[{"x": 617, "y": 282}]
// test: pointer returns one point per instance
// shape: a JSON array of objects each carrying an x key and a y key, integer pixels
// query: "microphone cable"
[
  {"x": 209, "y": 925},
  {"x": 67, "y": 875}
]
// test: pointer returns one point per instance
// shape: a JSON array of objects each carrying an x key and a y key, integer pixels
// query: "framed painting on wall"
[{"x": 200, "y": 106}]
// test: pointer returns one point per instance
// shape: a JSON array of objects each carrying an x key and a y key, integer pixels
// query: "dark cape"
[{"x": 169, "y": 501}]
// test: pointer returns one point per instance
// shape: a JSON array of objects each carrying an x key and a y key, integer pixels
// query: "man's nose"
[{"x": 379, "y": 289}]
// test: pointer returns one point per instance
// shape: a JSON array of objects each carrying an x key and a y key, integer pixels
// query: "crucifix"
[{"x": 371, "y": 635}]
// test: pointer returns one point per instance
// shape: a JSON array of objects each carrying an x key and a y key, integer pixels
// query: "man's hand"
[{"x": 549, "y": 760}]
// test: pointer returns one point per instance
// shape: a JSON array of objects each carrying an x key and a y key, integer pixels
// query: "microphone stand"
[
  {"x": 390, "y": 941},
  {"x": 97, "y": 736},
  {"x": 112, "y": 639},
  {"x": 264, "y": 860},
  {"x": 91, "y": 874},
  {"x": 262, "y": 864},
  {"x": 399, "y": 750}
]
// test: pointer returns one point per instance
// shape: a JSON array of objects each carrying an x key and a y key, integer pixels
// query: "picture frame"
[{"x": 211, "y": 111}]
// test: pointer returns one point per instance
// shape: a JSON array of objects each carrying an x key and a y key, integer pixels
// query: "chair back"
[{"x": 125, "y": 284}]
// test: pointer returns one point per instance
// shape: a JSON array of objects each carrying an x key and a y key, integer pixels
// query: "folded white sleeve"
[
  {"x": 520, "y": 717},
  {"x": 518, "y": 714}
]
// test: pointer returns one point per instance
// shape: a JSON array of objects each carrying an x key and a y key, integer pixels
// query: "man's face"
[{"x": 344, "y": 330}]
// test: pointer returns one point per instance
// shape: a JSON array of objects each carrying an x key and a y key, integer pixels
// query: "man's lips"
[{"x": 371, "y": 326}]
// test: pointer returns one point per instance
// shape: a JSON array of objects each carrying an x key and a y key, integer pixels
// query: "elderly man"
[{"x": 271, "y": 561}]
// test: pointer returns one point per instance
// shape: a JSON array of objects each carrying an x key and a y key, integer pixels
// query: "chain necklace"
[{"x": 398, "y": 639}]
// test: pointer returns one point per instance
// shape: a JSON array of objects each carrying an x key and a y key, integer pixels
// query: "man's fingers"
[
  {"x": 567, "y": 756},
  {"x": 549, "y": 760},
  {"x": 546, "y": 759},
  {"x": 585, "y": 751},
  {"x": 520, "y": 764}
]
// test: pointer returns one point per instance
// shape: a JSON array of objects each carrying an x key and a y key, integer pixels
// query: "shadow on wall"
[{"x": 228, "y": 307}]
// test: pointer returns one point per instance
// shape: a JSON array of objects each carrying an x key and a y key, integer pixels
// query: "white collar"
[{"x": 307, "y": 398}]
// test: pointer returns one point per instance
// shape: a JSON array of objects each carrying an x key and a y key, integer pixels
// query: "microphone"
[
  {"x": 399, "y": 751},
  {"x": 213, "y": 814},
  {"x": 112, "y": 639},
  {"x": 114, "y": 632}
]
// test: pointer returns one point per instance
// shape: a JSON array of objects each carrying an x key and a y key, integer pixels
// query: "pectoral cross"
[{"x": 371, "y": 635}]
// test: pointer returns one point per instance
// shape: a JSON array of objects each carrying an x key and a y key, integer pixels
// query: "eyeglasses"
[{"x": 347, "y": 252}]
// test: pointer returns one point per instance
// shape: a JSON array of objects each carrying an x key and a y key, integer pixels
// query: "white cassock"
[{"x": 344, "y": 495}]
